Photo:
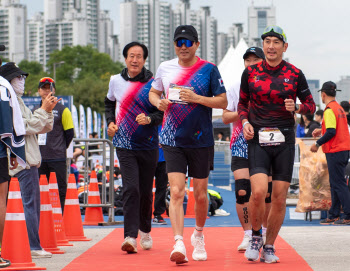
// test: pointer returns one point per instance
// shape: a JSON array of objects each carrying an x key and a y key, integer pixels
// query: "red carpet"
[{"x": 221, "y": 246}]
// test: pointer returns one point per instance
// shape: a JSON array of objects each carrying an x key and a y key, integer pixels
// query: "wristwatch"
[
  {"x": 149, "y": 119},
  {"x": 296, "y": 107},
  {"x": 317, "y": 145}
]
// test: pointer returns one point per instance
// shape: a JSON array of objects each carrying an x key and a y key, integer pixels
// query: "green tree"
[
  {"x": 36, "y": 72},
  {"x": 84, "y": 74}
]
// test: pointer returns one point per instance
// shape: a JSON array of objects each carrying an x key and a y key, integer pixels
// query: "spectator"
[
  {"x": 310, "y": 124},
  {"x": 346, "y": 106},
  {"x": 300, "y": 128},
  {"x": 39, "y": 122},
  {"x": 11, "y": 125},
  {"x": 220, "y": 136},
  {"x": 335, "y": 142},
  {"x": 319, "y": 116},
  {"x": 54, "y": 144}
]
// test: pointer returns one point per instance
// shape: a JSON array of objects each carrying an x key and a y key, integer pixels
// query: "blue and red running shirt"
[
  {"x": 263, "y": 91},
  {"x": 188, "y": 125},
  {"x": 131, "y": 100}
]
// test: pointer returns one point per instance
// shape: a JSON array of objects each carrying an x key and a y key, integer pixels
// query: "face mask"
[{"x": 18, "y": 85}]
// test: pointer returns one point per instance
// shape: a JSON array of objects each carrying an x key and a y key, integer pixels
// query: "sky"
[{"x": 318, "y": 31}]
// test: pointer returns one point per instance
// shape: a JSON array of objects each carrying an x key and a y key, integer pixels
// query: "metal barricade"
[{"x": 107, "y": 159}]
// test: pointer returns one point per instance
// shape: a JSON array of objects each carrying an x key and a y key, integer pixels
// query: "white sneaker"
[
  {"x": 178, "y": 255},
  {"x": 221, "y": 212},
  {"x": 199, "y": 253},
  {"x": 36, "y": 254},
  {"x": 146, "y": 241},
  {"x": 129, "y": 245},
  {"x": 245, "y": 242}
]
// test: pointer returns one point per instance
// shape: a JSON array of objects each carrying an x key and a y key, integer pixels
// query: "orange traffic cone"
[
  {"x": 93, "y": 215},
  {"x": 15, "y": 243},
  {"x": 190, "y": 201},
  {"x": 71, "y": 216},
  {"x": 47, "y": 232},
  {"x": 57, "y": 212}
]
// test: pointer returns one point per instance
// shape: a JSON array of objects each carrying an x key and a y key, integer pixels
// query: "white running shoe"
[
  {"x": 221, "y": 212},
  {"x": 245, "y": 242},
  {"x": 178, "y": 255},
  {"x": 37, "y": 254},
  {"x": 199, "y": 253},
  {"x": 146, "y": 241},
  {"x": 253, "y": 250},
  {"x": 268, "y": 255},
  {"x": 129, "y": 245}
]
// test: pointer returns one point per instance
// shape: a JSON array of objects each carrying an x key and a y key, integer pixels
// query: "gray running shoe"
[
  {"x": 252, "y": 252},
  {"x": 268, "y": 255}
]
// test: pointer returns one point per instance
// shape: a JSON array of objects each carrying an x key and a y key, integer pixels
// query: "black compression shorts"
[{"x": 279, "y": 159}]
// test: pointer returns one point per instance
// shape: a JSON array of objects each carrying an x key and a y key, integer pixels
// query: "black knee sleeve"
[
  {"x": 269, "y": 190},
  {"x": 242, "y": 184}
]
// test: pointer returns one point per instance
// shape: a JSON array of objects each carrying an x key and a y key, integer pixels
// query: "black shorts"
[
  {"x": 239, "y": 163},
  {"x": 4, "y": 170},
  {"x": 279, "y": 159},
  {"x": 198, "y": 160}
]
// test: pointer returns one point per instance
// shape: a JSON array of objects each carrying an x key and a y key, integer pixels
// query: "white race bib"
[
  {"x": 174, "y": 93},
  {"x": 42, "y": 139},
  {"x": 270, "y": 137}
]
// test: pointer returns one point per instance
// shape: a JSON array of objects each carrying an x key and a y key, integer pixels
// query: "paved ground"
[{"x": 323, "y": 247}]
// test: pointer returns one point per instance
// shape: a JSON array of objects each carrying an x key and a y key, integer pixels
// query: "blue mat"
[{"x": 228, "y": 221}]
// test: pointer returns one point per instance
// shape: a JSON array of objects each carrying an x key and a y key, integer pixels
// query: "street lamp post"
[{"x": 54, "y": 69}]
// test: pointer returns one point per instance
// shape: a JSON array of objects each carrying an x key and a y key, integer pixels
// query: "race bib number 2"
[{"x": 271, "y": 137}]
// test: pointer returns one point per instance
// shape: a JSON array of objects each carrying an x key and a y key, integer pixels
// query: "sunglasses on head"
[
  {"x": 47, "y": 79},
  {"x": 188, "y": 43},
  {"x": 277, "y": 30}
]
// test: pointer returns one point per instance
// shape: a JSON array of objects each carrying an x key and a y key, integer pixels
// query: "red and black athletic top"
[{"x": 263, "y": 91}]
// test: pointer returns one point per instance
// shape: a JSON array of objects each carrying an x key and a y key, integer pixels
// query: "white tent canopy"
[{"x": 231, "y": 68}]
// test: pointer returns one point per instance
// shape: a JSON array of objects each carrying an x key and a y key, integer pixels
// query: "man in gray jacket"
[{"x": 41, "y": 121}]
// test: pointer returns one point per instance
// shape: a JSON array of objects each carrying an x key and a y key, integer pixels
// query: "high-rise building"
[
  {"x": 70, "y": 23},
  {"x": 161, "y": 29},
  {"x": 314, "y": 86},
  {"x": 344, "y": 86},
  {"x": 128, "y": 30},
  {"x": 149, "y": 23},
  {"x": 13, "y": 17},
  {"x": 222, "y": 46},
  {"x": 105, "y": 31},
  {"x": 235, "y": 33},
  {"x": 258, "y": 19}
]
